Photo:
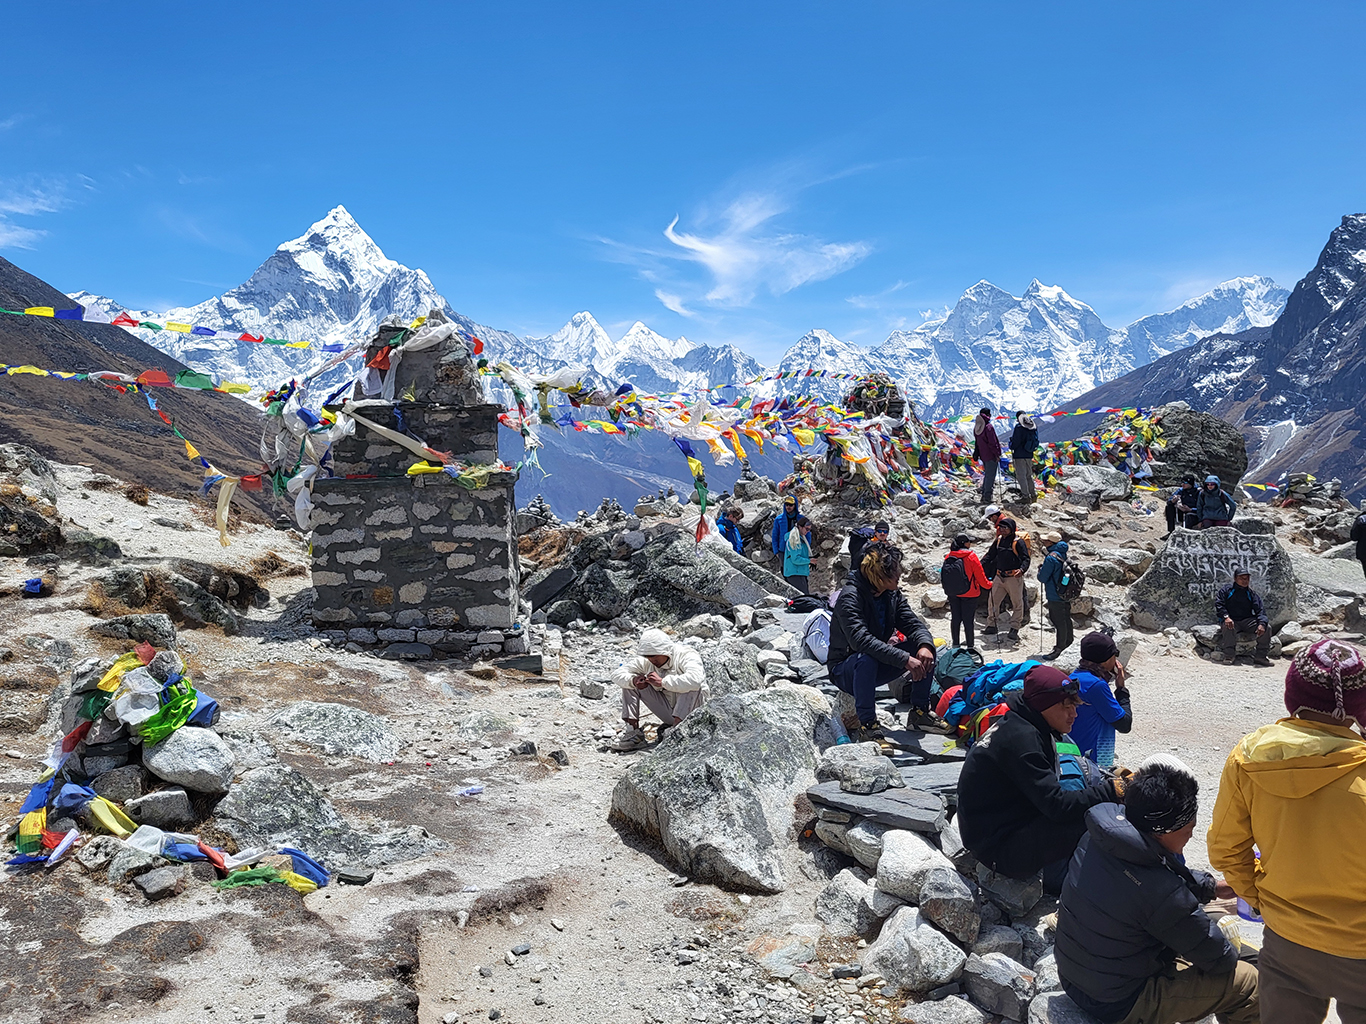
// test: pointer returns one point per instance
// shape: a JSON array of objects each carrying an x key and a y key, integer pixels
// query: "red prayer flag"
[
  {"x": 124, "y": 320},
  {"x": 251, "y": 483},
  {"x": 154, "y": 378},
  {"x": 256, "y": 338},
  {"x": 145, "y": 652},
  {"x": 75, "y": 736},
  {"x": 381, "y": 360}
]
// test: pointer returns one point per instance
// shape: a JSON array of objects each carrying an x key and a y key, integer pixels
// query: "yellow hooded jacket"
[{"x": 1297, "y": 791}]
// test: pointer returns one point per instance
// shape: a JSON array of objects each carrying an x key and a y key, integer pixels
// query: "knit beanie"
[{"x": 1328, "y": 677}]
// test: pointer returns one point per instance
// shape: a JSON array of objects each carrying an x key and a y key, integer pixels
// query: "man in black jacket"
[
  {"x": 1181, "y": 504},
  {"x": 1013, "y": 812},
  {"x": 1005, "y": 564},
  {"x": 1359, "y": 535},
  {"x": 1131, "y": 907},
  {"x": 869, "y": 609},
  {"x": 1239, "y": 608},
  {"x": 1024, "y": 439}
]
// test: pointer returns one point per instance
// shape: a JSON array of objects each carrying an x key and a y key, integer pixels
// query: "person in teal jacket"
[{"x": 797, "y": 556}]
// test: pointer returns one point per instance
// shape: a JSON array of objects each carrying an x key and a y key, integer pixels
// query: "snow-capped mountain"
[{"x": 1225, "y": 309}]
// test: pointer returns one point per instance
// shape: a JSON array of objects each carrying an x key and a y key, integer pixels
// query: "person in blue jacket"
[
  {"x": 1214, "y": 506},
  {"x": 783, "y": 523},
  {"x": 1104, "y": 713},
  {"x": 728, "y": 525},
  {"x": 1059, "y": 608}
]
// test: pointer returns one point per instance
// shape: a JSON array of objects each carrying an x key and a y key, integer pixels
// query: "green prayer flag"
[{"x": 191, "y": 379}]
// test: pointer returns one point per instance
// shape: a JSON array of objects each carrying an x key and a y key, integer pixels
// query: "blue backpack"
[{"x": 1075, "y": 770}]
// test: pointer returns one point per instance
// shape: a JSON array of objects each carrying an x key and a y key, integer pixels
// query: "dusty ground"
[{"x": 530, "y": 861}]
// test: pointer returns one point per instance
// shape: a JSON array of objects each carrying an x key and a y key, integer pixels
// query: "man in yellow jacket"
[{"x": 1289, "y": 834}]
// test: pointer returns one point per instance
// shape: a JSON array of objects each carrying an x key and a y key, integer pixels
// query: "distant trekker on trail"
[
  {"x": 862, "y": 535},
  {"x": 1102, "y": 713},
  {"x": 1181, "y": 504},
  {"x": 1214, "y": 507},
  {"x": 986, "y": 446},
  {"x": 797, "y": 556},
  {"x": 963, "y": 581},
  {"x": 1005, "y": 565},
  {"x": 1023, "y": 440},
  {"x": 1051, "y": 572},
  {"x": 1240, "y": 612},
  {"x": 728, "y": 525},
  {"x": 783, "y": 523},
  {"x": 669, "y": 678},
  {"x": 1014, "y": 812},
  {"x": 869, "y": 609},
  {"x": 1359, "y": 535},
  {"x": 1289, "y": 833}
]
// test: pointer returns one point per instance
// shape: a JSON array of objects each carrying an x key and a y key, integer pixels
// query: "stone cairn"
[{"x": 419, "y": 566}]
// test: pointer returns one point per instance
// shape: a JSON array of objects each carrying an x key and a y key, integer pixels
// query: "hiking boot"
[
  {"x": 1014, "y": 634},
  {"x": 1050, "y": 656},
  {"x": 925, "y": 720},
  {"x": 631, "y": 739},
  {"x": 989, "y": 631},
  {"x": 873, "y": 734},
  {"x": 1262, "y": 660}
]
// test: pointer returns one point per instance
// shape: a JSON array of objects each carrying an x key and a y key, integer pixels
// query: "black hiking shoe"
[
  {"x": 1262, "y": 660},
  {"x": 1014, "y": 634},
  {"x": 989, "y": 631},
  {"x": 925, "y": 720},
  {"x": 873, "y": 734}
]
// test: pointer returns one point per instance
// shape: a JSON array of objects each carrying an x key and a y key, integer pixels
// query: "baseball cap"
[{"x": 991, "y": 510}]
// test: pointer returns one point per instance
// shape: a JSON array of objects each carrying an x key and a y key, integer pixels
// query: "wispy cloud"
[
  {"x": 27, "y": 198},
  {"x": 875, "y": 301},
  {"x": 11, "y": 121},
  {"x": 673, "y": 302}
]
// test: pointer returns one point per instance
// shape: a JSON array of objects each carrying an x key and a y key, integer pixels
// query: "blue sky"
[{"x": 733, "y": 172}]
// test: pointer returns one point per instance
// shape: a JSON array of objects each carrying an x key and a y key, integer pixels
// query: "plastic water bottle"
[{"x": 837, "y": 727}]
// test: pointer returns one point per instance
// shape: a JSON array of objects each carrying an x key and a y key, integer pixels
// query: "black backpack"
[
  {"x": 1071, "y": 582},
  {"x": 953, "y": 577}
]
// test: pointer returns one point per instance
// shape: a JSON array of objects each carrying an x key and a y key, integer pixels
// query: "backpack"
[
  {"x": 953, "y": 577},
  {"x": 953, "y": 666},
  {"x": 975, "y": 706},
  {"x": 1075, "y": 771},
  {"x": 1071, "y": 582},
  {"x": 804, "y": 603},
  {"x": 816, "y": 634}
]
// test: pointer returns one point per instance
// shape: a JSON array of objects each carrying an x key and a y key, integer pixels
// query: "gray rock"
[
  {"x": 1208, "y": 637},
  {"x": 865, "y": 842},
  {"x": 951, "y": 843},
  {"x": 1034, "y": 934},
  {"x": 338, "y": 729},
  {"x": 732, "y": 667},
  {"x": 196, "y": 606},
  {"x": 1335, "y": 576},
  {"x": 835, "y": 835},
  {"x": 160, "y": 883},
  {"x": 940, "y": 778},
  {"x": 999, "y": 985},
  {"x": 166, "y": 808},
  {"x": 1046, "y": 974},
  {"x": 717, "y": 792},
  {"x": 898, "y": 808},
  {"x": 87, "y": 674},
  {"x": 906, "y": 862},
  {"x": 421, "y": 652},
  {"x": 96, "y": 853},
  {"x": 845, "y": 906},
  {"x": 166, "y": 664},
  {"x": 1178, "y": 589},
  {"x": 1200, "y": 444},
  {"x": 952, "y": 1010},
  {"x": 782, "y": 955},
  {"x": 563, "y": 612},
  {"x": 1015, "y": 897},
  {"x": 594, "y": 689},
  {"x": 1104, "y": 482},
  {"x": 90, "y": 547},
  {"x": 1057, "y": 1008},
  {"x": 156, "y": 629},
  {"x": 604, "y": 592},
  {"x": 129, "y": 863},
  {"x": 121, "y": 784},
  {"x": 859, "y": 768},
  {"x": 882, "y": 904},
  {"x": 947, "y": 899},
  {"x": 195, "y": 758},
  {"x": 911, "y": 955},
  {"x": 478, "y": 725},
  {"x": 998, "y": 938}
]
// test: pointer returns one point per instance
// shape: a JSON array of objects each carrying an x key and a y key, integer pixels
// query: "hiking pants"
[
  {"x": 802, "y": 583},
  {"x": 1001, "y": 588},
  {"x": 860, "y": 675},
  {"x": 989, "y": 468},
  {"x": 1183, "y": 993},
  {"x": 1205, "y": 524},
  {"x": 1024, "y": 476},
  {"x": 1041, "y": 845},
  {"x": 667, "y": 705},
  {"x": 1171, "y": 518},
  {"x": 962, "y": 612},
  {"x": 1228, "y": 638},
  {"x": 1298, "y": 981},
  {"x": 1060, "y": 614}
]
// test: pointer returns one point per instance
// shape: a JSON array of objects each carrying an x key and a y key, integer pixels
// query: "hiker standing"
[
  {"x": 668, "y": 678},
  {"x": 1240, "y": 611},
  {"x": 1023, "y": 440},
  {"x": 1181, "y": 504},
  {"x": 797, "y": 555},
  {"x": 1359, "y": 535},
  {"x": 1104, "y": 713},
  {"x": 1005, "y": 565},
  {"x": 728, "y": 525},
  {"x": 783, "y": 523},
  {"x": 1134, "y": 944},
  {"x": 1059, "y": 608},
  {"x": 1289, "y": 833},
  {"x": 963, "y": 581},
  {"x": 986, "y": 448},
  {"x": 1214, "y": 507},
  {"x": 868, "y": 610}
]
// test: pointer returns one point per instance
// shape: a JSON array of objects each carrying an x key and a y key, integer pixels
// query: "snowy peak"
[
  {"x": 1226, "y": 308},
  {"x": 578, "y": 342}
]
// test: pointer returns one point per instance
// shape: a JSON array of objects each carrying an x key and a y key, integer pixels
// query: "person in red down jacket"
[{"x": 971, "y": 580}]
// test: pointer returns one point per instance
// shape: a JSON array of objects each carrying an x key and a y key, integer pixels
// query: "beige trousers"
[{"x": 669, "y": 706}]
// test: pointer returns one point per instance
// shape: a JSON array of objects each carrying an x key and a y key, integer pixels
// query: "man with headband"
[{"x": 1134, "y": 944}]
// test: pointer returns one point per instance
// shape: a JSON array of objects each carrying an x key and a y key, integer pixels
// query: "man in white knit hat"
[{"x": 667, "y": 677}]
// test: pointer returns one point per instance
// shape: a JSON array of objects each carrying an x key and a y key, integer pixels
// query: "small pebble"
[
  {"x": 508, "y": 958},
  {"x": 521, "y": 950},
  {"x": 486, "y": 972},
  {"x": 557, "y": 924},
  {"x": 14, "y": 754},
  {"x": 495, "y": 1014}
]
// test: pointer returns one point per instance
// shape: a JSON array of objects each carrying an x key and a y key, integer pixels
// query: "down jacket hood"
[{"x": 1295, "y": 758}]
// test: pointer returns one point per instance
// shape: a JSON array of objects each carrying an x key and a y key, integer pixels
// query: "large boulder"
[
  {"x": 906, "y": 863},
  {"x": 717, "y": 792},
  {"x": 1200, "y": 444},
  {"x": 676, "y": 579},
  {"x": 1099, "y": 482},
  {"x": 1335, "y": 576},
  {"x": 999, "y": 985},
  {"x": 338, "y": 729},
  {"x": 732, "y": 667},
  {"x": 845, "y": 906},
  {"x": 156, "y": 629},
  {"x": 197, "y": 759},
  {"x": 912, "y": 955},
  {"x": 604, "y": 592},
  {"x": 1178, "y": 588}
]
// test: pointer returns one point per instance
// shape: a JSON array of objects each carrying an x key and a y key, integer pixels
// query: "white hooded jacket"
[{"x": 682, "y": 673}]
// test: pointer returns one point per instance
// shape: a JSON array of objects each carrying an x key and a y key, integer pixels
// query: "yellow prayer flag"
[
  {"x": 297, "y": 344},
  {"x": 420, "y": 468},
  {"x": 182, "y": 328},
  {"x": 126, "y": 663},
  {"x": 39, "y": 311},
  {"x": 191, "y": 451},
  {"x": 37, "y": 371},
  {"x": 804, "y": 437},
  {"x": 234, "y": 389},
  {"x": 417, "y": 323}
]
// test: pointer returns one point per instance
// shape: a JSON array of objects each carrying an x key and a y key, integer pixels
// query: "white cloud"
[
  {"x": 874, "y": 301},
  {"x": 14, "y": 237},
  {"x": 673, "y": 302},
  {"x": 26, "y": 199}
]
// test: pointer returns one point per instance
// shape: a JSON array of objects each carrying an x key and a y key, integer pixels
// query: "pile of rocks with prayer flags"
[{"x": 138, "y": 765}]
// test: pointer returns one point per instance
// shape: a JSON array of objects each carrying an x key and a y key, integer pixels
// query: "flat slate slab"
[
  {"x": 929, "y": 746},
  {"x": 911, "y": 809},
  {"x": 941, "y": 778}
]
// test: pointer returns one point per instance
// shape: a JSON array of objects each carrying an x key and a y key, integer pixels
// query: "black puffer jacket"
[
  {"x": 1128, "y": 909},
  {"x": 1010, "y": 779},
  {"x": 863, "y": 623}
]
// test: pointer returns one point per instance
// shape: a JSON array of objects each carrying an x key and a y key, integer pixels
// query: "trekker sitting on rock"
[
  {"x": 1295, "y": 792},
  {"x": 962, "y": 572},
  {"x": 797, "y": 556},
  {"x": 1181, "y": 505},
  {"x": 1014, "y": 813},
  {"x": 1133, "y": 943},
  {"x": 728, "y": 525},
  {"x": 1239, "y": 608},
  {"x": 1005, "y": 565},
  {"x": 1214, "y": 507},
  {"x": 783, "y": 523},
  {"x": 669, "y": 678},
  {"x": 869, "y": 609},
  {"x": 1102, "y": 713},
  {"x": 1059, "y": 608}
]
